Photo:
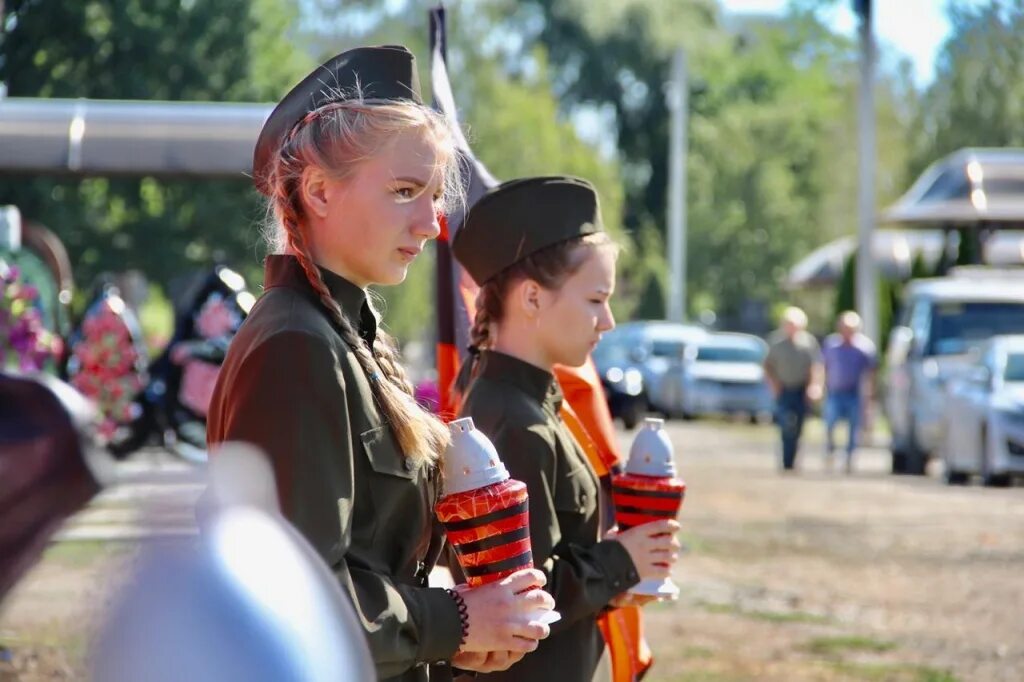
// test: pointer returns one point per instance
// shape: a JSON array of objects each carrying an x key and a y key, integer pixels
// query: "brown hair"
[
  {"x": 550, "y": 267},
  {"x": 337, "y": 138}
]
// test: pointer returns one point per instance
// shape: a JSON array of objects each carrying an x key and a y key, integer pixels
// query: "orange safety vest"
[{"x": 622, "y": 628}]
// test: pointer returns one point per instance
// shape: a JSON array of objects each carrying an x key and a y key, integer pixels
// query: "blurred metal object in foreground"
[
  {"x": 252, "y": 601},
  {"x": 48, "y": 466}
]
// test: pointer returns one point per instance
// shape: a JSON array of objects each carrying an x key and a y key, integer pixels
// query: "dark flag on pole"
[{"x": 456, "y": 291}]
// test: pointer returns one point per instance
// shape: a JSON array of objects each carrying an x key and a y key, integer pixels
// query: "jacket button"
[{"x": 409, "y": 466}]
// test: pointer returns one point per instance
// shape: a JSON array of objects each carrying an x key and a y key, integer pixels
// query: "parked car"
[
  {"x": 942, "y": 321},
  {"x": 622, "y": 381},
  {"x": 985, "y": 416},
  {"x": 720, "y": 374},
  {"x": 633, "y": 358}
]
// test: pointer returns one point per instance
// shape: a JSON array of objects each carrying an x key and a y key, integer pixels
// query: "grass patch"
[
  {"x": 834, "y": 646},
  {"x": 880, "y": 672},
  {"x": 718, "y": 608},
  {"x": 926, "y": 674},
  {"x": 692, "y": 543},
  {"x": 76, "y": 554},
  {"x": 768, "y": 616},
  {"x": 698, "y": 652},
  {"x": 707, "y": 676},
  {"x": 787, "y": 616},
  {"x": 52, "y": 638}
]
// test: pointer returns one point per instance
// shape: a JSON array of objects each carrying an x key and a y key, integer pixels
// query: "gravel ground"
[
  {"x": 816, "y": 575},
  {"x": 827, "y": 576}
]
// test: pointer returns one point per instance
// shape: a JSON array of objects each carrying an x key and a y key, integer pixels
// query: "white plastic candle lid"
[
  {"x": 471, "y": 461},
  {"x": 651, "y": 453}
]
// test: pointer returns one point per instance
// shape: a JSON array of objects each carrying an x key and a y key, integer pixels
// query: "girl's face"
[
  {"x": 370, "y": 226},
  {"x": 570, "y": 320}
]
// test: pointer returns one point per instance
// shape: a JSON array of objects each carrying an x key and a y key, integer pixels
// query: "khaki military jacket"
[
  {"x": 292, "y": 386},
  {"x": 517, "y": 405}
]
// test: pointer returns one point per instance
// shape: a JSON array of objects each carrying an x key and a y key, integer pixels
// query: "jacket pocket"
[
  {"x": 385, "y": 456},
  {"x": 574, "y": 492}
]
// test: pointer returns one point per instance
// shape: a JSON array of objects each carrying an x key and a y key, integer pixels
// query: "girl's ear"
[
  {"x": 314, "y": 189},
  {"x": 530, "y": 296}
]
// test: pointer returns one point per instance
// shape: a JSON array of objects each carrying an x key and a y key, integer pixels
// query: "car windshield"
[
  {"x": 956, "y": 327},
  {"x": 728, "y": 354},
  {"x": 1014, "y": 367}
]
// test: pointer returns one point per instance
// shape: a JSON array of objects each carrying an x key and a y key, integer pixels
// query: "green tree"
[
  {"x": 977, "y": 97},
  {"x": 147, "y": 49},
  {"x": 846, "y": 290},
  {"x": 772, "y": 130}
]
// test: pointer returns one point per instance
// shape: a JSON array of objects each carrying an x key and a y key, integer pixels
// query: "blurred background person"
[
  {"x": 850, "y": 362},
  {"x": 793, "y": 370}
]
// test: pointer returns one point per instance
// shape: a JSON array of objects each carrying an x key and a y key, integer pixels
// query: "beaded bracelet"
[{"x": 460, "y": 603}]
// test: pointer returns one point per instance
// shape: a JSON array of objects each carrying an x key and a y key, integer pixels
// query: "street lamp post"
[
  {"x": 867, "y": 282},
  {"x": 678, "y": 106}
]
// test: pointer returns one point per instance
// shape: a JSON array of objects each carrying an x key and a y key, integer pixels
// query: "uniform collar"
[
  {"x": 285, "y": 271},
  {"x": 537, "y": 383}
]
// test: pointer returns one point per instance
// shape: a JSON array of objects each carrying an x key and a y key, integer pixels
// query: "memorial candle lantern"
[
  {"x": 485, "y": 513},
  {"x": 649, "y": 490}
]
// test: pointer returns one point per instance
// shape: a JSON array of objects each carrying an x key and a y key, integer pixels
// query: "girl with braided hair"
[
  {"x": 357, "y": 170},
  {"x": 546, "y": 272}
]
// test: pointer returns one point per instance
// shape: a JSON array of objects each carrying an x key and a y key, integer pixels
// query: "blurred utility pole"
[
  {"x": 3, "y": 30},
  {"x": 867, "y": 280},
  {"x": 678, "y": 106}
]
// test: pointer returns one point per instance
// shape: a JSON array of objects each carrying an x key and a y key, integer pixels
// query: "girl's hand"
[{"x": 499, "y": 613}]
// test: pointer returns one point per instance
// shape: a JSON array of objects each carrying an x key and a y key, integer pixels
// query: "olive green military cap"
[
  {"x": 521, "y": 217},
  {"x": 375, "y": 74}
]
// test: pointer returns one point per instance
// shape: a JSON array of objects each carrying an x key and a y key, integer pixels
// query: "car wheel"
[
  {"x": 899, "y": 461},
  {"x": 954, "y": 477},
  {"x": 988, "y": 478},
  {"x": 916, "y": 457},
  {"x": 632, "y": 413}
]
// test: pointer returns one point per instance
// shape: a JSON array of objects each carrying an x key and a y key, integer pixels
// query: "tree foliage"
[
  {"x": 977, "y": 97},
  {"x": 232, "y": 50},
  {"x": 772, "y": 155},
  {"x": 544, "y": 86}
]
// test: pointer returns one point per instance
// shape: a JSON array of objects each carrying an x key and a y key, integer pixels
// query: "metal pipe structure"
[{"x": 110, "y": 137}]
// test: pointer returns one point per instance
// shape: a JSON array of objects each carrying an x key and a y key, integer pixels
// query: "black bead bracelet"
[{"x": 460, "y": 603}]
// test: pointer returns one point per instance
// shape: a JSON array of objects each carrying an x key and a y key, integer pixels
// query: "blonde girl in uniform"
[{"x": 356, "y": 170}]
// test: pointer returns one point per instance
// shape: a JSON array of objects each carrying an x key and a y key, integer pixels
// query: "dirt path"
[
  {"x": 821, "y": 576},
  {"x": 813, "y": 576}
]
